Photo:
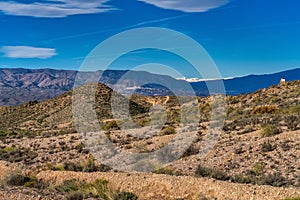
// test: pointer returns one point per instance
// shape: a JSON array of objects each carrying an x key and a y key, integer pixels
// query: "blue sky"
[{"x": 241, "y": 36}]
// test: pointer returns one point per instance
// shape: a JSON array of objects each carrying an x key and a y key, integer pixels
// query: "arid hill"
[{"x": 257, "y": 152}]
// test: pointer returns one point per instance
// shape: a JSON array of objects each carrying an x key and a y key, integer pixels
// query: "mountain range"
[{"x": 20, "y": 85}]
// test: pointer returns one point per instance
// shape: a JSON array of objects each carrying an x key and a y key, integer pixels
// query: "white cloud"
[
  {"x": 54, "y": 8},
  {"x": 27, "y": 52},
  {"x": 187, "y": 5}
]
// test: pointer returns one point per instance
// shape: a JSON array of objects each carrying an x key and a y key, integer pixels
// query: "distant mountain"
[
  {"x": 251, "y": 83},
  {"x": 19, "y": 85},
  {"x": 22, "y": 85}
]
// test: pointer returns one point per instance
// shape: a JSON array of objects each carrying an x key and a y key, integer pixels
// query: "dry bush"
[
  {"x": 202, "y": 171},
  {"x": 269, "y": 130},
  {"x": 267, "y": 109}
]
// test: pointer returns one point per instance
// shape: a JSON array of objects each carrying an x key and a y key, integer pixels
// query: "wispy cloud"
[
  {"x": 27, "y": 52},
  {"x": 187, "y": 5},
  {"x": 119, "y": 28},
  {"x": 54, "y": 8}
]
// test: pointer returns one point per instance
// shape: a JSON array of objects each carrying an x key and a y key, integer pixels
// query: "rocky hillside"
[{"x": 55, "y": 116}]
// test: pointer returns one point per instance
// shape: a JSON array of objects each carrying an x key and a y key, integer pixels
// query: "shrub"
[
  {"x": 268, "y": 109},
  {"x": 285, "y": 145},
  {"x": 90, "y": 166},
  {"x": 233, "y": 100},
  {"x": 75, "y": 196},
  {"x": 269, "y": 130},
  {"x": 240, "y": 178},
  {"x": 27, "y": 181},
  {"x": 86, "y": 166},
  {"x": 192, "y": 150},
  {"x": 291, "y": 109},
  {"x": 79, "y": 147},
  {"x": 239, "y": 150},
  {"x": 202, "y": 197},
  {"x": 206, "y": 108},
  {"x": 17, "y": 180},
  {"x": 258, "y": 168},
  {"x": 267, "y": 146},
  {"x": 71, "y": 166},
  {"x": 211, "y": 173},
  {"x": 57, "y": 168},
  {"x": 69, "y": 186},
  {"x": 167, "y": 171},
  {"x": 125, "y": 196},
  {"x": 111, "y": 125},
  {"x": 77, "y": 190},
  {"x": 99, "y": 189},
  {"x": 168, "y": 131},
  {"x": 275, "y": 179},
  {"x": 13, "y": 154},
  {"x": 36, "y": 183},
  {"x": 143, "y": 122},
  {"x": 3, "y": 134},
  {"x": 292, "y": 122},
  {"x": 257, "y": 176},
  {"x": 229, "y": 110}
]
